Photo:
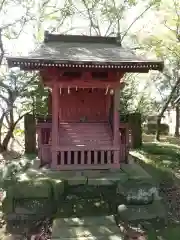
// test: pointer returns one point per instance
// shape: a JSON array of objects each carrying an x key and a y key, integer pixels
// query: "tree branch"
[
  {"x": 1, "y": 47},
  {"x": 2, "y": 4},
  {"x": 172, "y": 30},
  {"x": 175, "y": 53},
  {"x": 170, "y": 97},
  {"x": 92, "y": 24},
  {"x": 135, "y": 20},
  {"x": 108, "y": 28},
  {"x": 178, "y": 19},
  {"x": 20, "y": 117}
]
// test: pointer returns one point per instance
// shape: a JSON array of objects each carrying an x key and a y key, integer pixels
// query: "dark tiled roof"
[{"x": 83, "y": 51}]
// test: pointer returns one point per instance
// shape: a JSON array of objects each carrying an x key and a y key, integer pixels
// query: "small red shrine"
[{"x": 84, "y": 75}]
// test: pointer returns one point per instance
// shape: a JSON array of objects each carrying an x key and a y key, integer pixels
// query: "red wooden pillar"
[
  {"x": 49, "y": 103},
  {"x": 116, "y": 140},
  {"x": 39, "y": 141},
  {"x": 55, "y": 127}
]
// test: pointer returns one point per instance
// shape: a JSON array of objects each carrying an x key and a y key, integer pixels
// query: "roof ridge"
[{"x": 49, "y": 37}]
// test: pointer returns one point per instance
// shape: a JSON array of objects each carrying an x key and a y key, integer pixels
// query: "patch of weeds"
[{"x": 161, "y": 160}]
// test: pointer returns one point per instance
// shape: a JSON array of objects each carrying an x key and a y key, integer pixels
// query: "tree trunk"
[
  {"x": 9, "y": 134},
  {"x": 158, "y": 131},
  {"x": 7, "y": 138},
  {"x": 177, "y": 122},
  {"x": 1, "y": 125},
  {"x": 157, "y": 136},
  {"x": 30, "y": 133}
]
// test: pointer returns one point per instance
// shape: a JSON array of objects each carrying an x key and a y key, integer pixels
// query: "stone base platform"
[
  {"x": 93, "y": 177},
  {"x": 90, "y": 177}
]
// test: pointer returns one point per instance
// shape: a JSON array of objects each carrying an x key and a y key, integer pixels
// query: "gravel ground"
[{"x": 171, "y": 197}]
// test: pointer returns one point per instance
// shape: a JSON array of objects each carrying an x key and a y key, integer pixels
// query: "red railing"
[
  {"x": 44, "y": 142},
  {"x": 125, "y": 137},
  {"x": 78, "y": 157},
  {"x": 86, "y": 159}
]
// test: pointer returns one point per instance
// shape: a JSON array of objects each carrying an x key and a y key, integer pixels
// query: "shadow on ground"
[
  {"x": 160, "y": 159},
  {"x": 164, "y": 139}
]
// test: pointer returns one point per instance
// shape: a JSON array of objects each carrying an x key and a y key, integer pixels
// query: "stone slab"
[
  {"x": 100, "y": 181},
  {"x": 96, "y": 232},
  {"x": 109, "y": 237},
  {"x": 93, "y": 177},
  {"x": 135, "y": 171},
  {"x": 33, "y": 188},
  {"x": 102, "y": 227},
  {"x": 85, "y": 221},
  {"x": 35, "y": 164},
  {"x": 77, "y": 178},
  {"x": 31, "y": 173},
  {"x": 142, "y": 212},
  {"x": 72, "y": 177},
  {"x": 94, "y": 173},
  {"x": 107, "y": 178}
]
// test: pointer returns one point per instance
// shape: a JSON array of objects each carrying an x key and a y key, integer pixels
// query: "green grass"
[
  {"x": 164, "y": 154},
  {"x": 162, "y": 161},
  {"x": 169, "y": 233}
]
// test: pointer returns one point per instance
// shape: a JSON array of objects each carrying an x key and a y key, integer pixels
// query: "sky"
[{"x": 25, "y": 42}]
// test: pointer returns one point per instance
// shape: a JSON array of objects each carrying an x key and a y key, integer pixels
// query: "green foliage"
[
  {"x": 135, "y": 99},
  {"x": 150, "y": 128},
  {"x": 36, "y": 97},
  {"x": 18, "y": 132},
  {"x": 161, "y": 158},
  {"x": 23, "y": 89},
  {"x": 20, "y": 92}
]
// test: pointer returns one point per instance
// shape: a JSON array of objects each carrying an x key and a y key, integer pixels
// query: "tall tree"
[
  {"x": 166, "y": 45},
  {"x": 20, "y": 92},
  {"x": 15, "y": 102}
]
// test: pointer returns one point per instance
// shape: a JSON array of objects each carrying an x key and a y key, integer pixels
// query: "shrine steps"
[
  {"x": 85, "y": 134},
  {"x": 82, "y": 145}
]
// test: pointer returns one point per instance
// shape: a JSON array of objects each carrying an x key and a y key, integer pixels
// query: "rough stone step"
[
  {"x": 85, "y": 228},
  {"x": 110, "y": 237},
  {"x": 88, "y": 232},
  {"x": 35, "y": 164},
  {"x": 138, "y": 190},
  {"x": 107, "y": 178},
  {"x": 85, "y": 221},
  {"x": 90, "y": 177},
  {"x": 135, "y": 171}
]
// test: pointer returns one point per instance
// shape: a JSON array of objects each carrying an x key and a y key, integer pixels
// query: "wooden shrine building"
[{"x": 84, "y": 75}]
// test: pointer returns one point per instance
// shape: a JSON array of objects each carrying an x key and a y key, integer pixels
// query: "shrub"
[{"x": 150, "y": 128}]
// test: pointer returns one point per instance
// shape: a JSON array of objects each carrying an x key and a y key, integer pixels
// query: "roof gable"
[
  {"x": 48, "y": 37},
  {"x": 84, "y": 52}
]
